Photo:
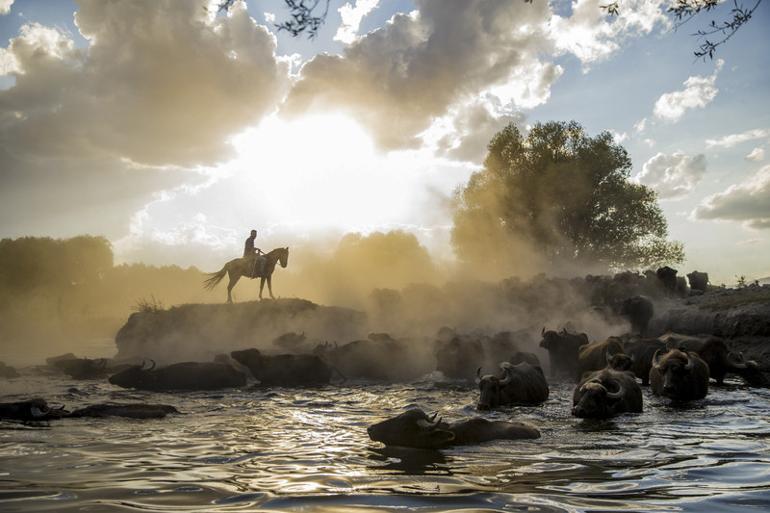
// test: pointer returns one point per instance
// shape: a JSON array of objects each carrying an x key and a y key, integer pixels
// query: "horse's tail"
[{"x": 214, "y": 278}]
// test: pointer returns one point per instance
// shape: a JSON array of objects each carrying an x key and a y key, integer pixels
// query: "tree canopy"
[{"x": 561, "y": 197}]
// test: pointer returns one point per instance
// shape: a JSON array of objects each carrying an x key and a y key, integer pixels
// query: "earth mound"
[{"x": 200, "y": 331}]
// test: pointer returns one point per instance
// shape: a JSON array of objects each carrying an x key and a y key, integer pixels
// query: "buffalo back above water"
[
  {"x": 594, "y": 356},
  {"x": 180, "y": 376},
  {"x": 521, "y": 384},
  {"x": 285, "y": 369}
]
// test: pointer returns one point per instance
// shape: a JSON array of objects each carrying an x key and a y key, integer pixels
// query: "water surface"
[{"x": 307, "y": 450}]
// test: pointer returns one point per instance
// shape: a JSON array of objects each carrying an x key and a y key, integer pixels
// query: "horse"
[{"x": 244, "y": 266}]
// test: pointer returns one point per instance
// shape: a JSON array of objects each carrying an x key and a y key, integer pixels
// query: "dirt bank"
[{"x": 200, "y": 331}]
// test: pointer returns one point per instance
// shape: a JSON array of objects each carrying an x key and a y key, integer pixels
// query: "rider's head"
[{"x": 253, "y": 233}]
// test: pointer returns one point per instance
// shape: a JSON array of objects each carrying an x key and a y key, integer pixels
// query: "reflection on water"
[{"x": 302, "y": 450}]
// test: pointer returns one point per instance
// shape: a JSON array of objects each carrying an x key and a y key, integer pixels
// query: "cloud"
[
  {"x": 591, "y": 35},
  {"x": 640, "y": 126},
  {"x": 161, "y": 83},
  {"x": 673, "y": 176},
  {"x": 351, "y": 15},
  {"x": 698, "y": 92},
  {"x": 728, "y": 141},
  {"x": 87, "y": 135},
  {"x": 748, "y": 201},
  {"x": 396, "y": 80},
  {"x": 464, "y": 133},
  {"x": 5, "y": 7},
  {"x": 756, "y": 155}
]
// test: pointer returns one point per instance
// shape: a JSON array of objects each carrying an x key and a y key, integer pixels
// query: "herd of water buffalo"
[{"x": 607, "y": 375}]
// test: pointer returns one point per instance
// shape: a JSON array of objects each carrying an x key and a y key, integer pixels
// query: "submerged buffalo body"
[
  {"x": 563, "y": 348},
  {"x": 607, "y": 393},
  {"x": 285, "y": 370},
  {"x": 521, "y": 384},
  {"x": 720, "y": 360},
  {"x": 129, "y": 410},
  {"x": 180, "y": 376},
  {"x": 379, "y": 358},
  {"x": 679, "y": 375},
  {"x": 596, "y": 355},
  {"x": 414, "y": 428}
]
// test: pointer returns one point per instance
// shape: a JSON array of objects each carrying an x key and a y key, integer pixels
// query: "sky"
[{"x": 173, "y": 131}]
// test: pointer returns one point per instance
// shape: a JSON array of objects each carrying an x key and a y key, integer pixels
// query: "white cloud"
[
  {"x": 698, "y": 92},
  {"x": 618, "y": 137},
  {"x": 673, "y": 176},
  {"x": 5, "y": 7},
  {"x": 169, "y": 91},
  {"x": 748, "y": 201},
  {"x": 466, "y": 131},
  {"x": 649, "y": 142},
  {"x": 591, "y": 35},
  {"x": 756, "y": 155},
  {"x": 398, "y": 79},
  {"x": 640, "y": 126},
  {"x": 87, "y": 134},
  {"x": 351, "y": 15},
  {"x": 728, "y": 141}
]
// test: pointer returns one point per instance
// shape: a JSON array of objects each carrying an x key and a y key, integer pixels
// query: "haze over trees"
[{"x": 557, "y": 197}]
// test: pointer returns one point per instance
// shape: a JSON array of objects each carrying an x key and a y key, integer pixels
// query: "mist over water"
[{"x": 299, "y": 450}]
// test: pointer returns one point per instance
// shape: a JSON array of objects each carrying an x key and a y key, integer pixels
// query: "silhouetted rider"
[{"x": 249, "y": 250}]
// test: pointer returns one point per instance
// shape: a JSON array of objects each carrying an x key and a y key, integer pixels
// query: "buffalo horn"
[
  {"x": 689, "y": 365},
  {"x": 542, "y": 332},
  {"x": 615, "y": 395},
  {"x": 656, "y": 358},
  {"x": 153, "y": 365}
]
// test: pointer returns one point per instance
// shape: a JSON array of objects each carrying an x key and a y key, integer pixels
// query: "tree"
[
  {"x": 719, "y": 32},
  {"x": 560, "y": 197}
]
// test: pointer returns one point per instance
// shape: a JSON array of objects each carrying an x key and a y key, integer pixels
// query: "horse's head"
[{"x": 283, "y": 256}]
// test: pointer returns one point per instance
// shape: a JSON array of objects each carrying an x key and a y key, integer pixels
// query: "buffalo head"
[{"x": 413, "y": 428}]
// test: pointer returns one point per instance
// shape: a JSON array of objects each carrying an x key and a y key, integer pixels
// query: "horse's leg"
[
  {"x": 261, "y": 286},
  {"x": 233, "y": 281},
  {"x": 270, "y": 286}
]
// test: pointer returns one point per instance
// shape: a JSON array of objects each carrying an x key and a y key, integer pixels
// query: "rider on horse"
[{"x": 249, "y": 251}]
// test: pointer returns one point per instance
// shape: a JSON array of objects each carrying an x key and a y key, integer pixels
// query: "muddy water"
[{"x": 307, "y": 450}]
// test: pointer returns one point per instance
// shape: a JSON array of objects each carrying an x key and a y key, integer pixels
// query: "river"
[{"x": 307, "y": 450}]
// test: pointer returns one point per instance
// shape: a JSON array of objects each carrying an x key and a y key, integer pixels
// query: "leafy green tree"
[{"x": 565, "y": 197}]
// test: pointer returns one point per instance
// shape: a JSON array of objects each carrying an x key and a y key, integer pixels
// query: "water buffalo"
[
  {"x": 596, "y": 355},
  {"x": 459, "y": 357},
  {"x": 641, "y": 352},
  {"x": 607, "y": 393},
  {"x": 379, "y": 358},
  {"x": 83, "y": 368},
  {"x": 667, "y": 278},
  {"x": 619, "y": 362},
  {"x": 130, "y": 410},
  {"x": 563, "y": 348},
  {"x": 284, "y": 370},
  {"x": 179, "y": 376},
  {"x": 638, "y": 310},
  {"x": 679, "y": 375},
  {"x": 698, "y": 281},
  {"x": 6, "y": 371},
  {"x": 719, "y": 359},
  {"x": 31, "y": 410},
  {"x": 414, "y": 428},
  {"x": 521, "y": 384}
]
